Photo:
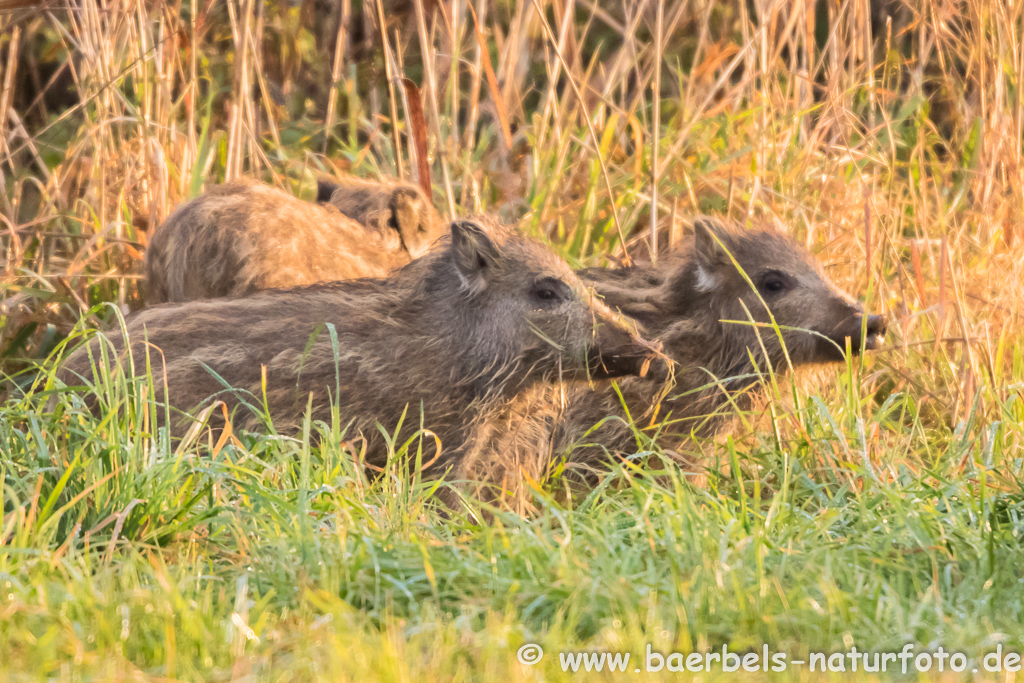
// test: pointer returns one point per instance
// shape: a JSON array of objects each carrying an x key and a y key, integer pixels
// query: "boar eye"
[
  {"x": 550, "y": 291},
  {"x": 775, "y": 282}
]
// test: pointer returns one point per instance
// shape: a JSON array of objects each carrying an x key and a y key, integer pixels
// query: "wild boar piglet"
[
  {"x": 710, "y": 304},
  {"x": 386, "y": 208},
  {"x": 246, "y": 236},
  {"x": 484, "y": 315},
  {"x": 724, "y": 286}
]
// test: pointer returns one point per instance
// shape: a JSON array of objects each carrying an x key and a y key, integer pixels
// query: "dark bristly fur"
[
  {"x": 386, "y": 206},
  {"x": 694, "y": 302},
  {"x": 246, "y": 236},
  {"x": 484, "y": 315}
]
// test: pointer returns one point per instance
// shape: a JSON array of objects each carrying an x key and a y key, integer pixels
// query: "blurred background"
[
  {"x": 877, "y": 507},
  {"x": 886, "y": 136}
]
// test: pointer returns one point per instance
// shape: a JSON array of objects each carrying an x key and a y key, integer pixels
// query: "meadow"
[{"x": 872, "y": 504}]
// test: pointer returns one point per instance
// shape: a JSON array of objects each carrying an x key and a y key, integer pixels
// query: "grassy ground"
[{"x": 868, "y": 506}]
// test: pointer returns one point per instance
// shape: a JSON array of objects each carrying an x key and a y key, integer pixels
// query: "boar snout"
[
  {"x": 874, "y": 336},
  {"x": 617, "y": 352},
  {"x": 875, "y": 333}
]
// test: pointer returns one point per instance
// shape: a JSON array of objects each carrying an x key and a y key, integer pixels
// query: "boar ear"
[
  {"x": 324, "y": 189},
  {"x": 473, "y": 252},
  {"x": 409, "y": 213},
  {"x": 712, "y": 238},
  {"x": 406, "y": 207}
]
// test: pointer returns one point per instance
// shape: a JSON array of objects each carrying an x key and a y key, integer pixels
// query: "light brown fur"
[
  {"x": 246, "y": 236},
  {"x": 385, "y": 207}
]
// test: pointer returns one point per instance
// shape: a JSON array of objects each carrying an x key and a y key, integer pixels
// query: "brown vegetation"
[{"x": 885, "y": 136}]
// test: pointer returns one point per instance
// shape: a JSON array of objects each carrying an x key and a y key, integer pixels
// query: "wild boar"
[
  {"x": 385, "y": 207},
  {"x": 709, "y": 303},
  {"x": 481, "y": 317},
  {"x": 246, "y": 236}
]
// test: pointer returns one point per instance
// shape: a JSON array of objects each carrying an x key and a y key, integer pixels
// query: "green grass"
[
  {"x": 277, "y": 557},
  {"x": 870, "y": 506}
]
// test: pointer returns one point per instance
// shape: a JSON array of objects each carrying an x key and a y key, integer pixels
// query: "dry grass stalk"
[{"x": 886, "y": 135}]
